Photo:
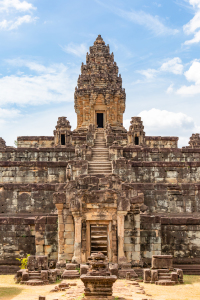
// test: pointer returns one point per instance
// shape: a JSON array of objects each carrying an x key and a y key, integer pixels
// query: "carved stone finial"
[{"x": 2, "y": 142}]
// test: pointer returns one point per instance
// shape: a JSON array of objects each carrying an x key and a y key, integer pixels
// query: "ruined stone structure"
[
  {"x": 98, "y": 280},
  {"x": 100, "y": 187},
  {"x": 162, "y": 271},
  {"x": 37, "y": 272}
]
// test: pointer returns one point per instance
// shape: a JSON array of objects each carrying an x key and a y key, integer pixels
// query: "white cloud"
[
  {"x": 32, "y": 65},
  {"x": 78, "y": 50},
  {"x": 194, "y": 24},
  {"x": 193, "y": 74},
  {"x": 159, "y": 122},
  {"x": 9, "y": 113},
  {"x": 194, "y": 3},
  {"x": 6, "y": 5},
  {"x": 149, "y": 73},
  {"x": 13, "y": 8},
  {"x": 173, "y": 65},
  {"x": 170, "y": 89},
  {"x": 196, "y": 39},
  {"x": 156, "y": 118},
  {"x": 36, "y": 123},
  {"x": 51, "y": 84},
  {"x": 14, "y": 24},
  {"x": 152, "y": 23}
]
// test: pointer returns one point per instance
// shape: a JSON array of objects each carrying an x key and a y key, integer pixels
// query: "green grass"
[
  {"x": 9, "y": 291},
  {"x": 190, "y": 279}
]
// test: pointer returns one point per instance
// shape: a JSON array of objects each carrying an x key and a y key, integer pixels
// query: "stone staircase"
[
  {"x": 35, "y": 278},
  {"x": 34, "y": 275},
  {"x": 100, "y": 163},
  {"x": 164, "y": 278},
  {"x": 164, "y": 275}
]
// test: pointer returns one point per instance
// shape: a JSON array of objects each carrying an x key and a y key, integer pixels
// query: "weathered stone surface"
[
  {"x": 162, "y": 262},
  {"x": 98, "y": 281},
  {"x": 83, "y": 269},
  {"x": 100, "y": 187},
  {"x": 147, "y": 275}
]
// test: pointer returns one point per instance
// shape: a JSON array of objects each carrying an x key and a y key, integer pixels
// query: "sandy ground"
[{"x": 122, "y": 290}]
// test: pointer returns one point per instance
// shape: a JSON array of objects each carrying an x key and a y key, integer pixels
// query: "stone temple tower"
[{"x": 99, "y": 96}]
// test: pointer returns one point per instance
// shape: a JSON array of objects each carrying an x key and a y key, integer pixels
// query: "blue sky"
[{"x": 155, "y": 43}]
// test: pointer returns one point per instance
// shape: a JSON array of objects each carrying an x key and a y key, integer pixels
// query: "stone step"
[
  {"x": 100, "y": 169},
  {"x": 100, "y": 153},
  {"x": 34, "y": 282},
  {"x": 165, "y": 282},
  {"x": 163, "y": 270},
  {"x": 104, "y": 159},
  {"x": 99, "y": 172},
  {"x": 70, "y": 274},
  {"x": 99, "y": 164},
  {"x": 100, "y": 143},
  {"x": 34, "y": 277},
  {"x": 100, "y": 156},
  {"x": 98, "y": 150},
  {"x": 164, "y": 277}
]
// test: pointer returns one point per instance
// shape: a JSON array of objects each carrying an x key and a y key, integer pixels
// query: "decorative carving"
[
  {"x": 99, "y": 88},
  {"x": 136, "y": 134}
]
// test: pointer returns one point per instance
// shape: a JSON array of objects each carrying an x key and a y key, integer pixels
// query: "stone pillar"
[
  {"x": 61, "y": 228},
  {"x": 136, "y": 254},
  {"x": 120, "y": 235},
  {"x": 77, "y": 238}
]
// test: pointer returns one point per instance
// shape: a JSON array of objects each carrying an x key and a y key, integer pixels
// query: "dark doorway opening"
[
  {"x": 98, "y": 238},
  {"x": 100, "y": 120},
  {"x": 136, "y": 140},
  {"x": 62, "y": 139}
]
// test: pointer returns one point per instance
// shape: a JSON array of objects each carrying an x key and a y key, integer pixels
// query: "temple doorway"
[
  {"x": 100, "y": 120},
  {"x": 99, "y": 238}
]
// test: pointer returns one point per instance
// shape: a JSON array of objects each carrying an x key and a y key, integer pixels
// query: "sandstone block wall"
[
  {"x": 161, "y": 141},
  {"x": 181, "y": 238},
  {"x": 171, "y": 199},
  {"x": 150, "y": 237},
  {"x": 35, "y": 141},
  {"x": 16, "y": 238},
  {"x": 26, "y": 199},
  {"x": 157, "y": 172},
  {"x": 37, "y": 155},
  {"x": 132, "y": 237},
  {"x": 27, "y": 235},
  {"x": 158, "y": 154}
]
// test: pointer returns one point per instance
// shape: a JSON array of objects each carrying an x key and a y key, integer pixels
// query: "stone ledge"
[{"x": 35, "y": 138}]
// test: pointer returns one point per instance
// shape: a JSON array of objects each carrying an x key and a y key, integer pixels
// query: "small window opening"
[
  {"x": 136, "y": 140},
  {"x": 62, "y": 139}
]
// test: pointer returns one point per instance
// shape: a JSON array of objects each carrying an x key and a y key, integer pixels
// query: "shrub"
[{"x": 23, "y": 261}]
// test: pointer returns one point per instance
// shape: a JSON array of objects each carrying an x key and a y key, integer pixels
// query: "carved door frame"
[{"x": 109, "y": 237}]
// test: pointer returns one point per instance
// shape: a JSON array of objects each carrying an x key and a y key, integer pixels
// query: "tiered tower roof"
[{"x": 99, "y": 76}]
